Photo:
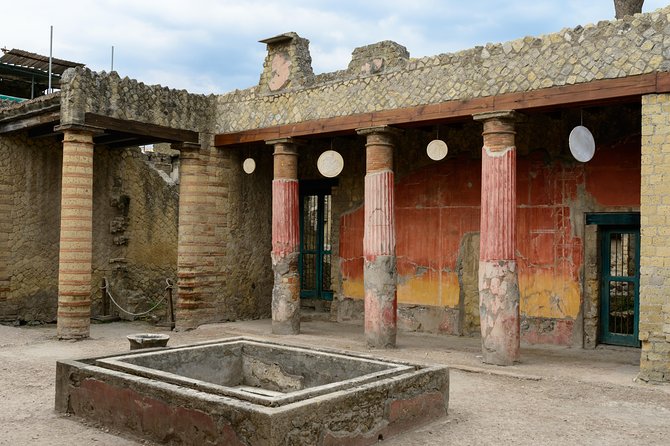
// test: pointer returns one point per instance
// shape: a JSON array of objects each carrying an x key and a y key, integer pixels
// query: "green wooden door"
[
  {"x": 316, "y": 245},
  {"x": 619, "y": 286}
]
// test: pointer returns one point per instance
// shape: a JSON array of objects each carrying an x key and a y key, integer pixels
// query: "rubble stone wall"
[
  {"x": 84, "y": 91},
  {"x": 134, "y": 218},
  {"x": 135, "y": 230},
  {"x": 30, "y": 172}
]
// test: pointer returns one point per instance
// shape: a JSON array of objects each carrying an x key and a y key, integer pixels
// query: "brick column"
[
  {"x": 654, "y": 326},
  {"x": 285, "y": 238},
  {"x": 192, "y": 245},
  {"x": 380, "y": 273},
  {"x": 76, "y": 233},
  {"x": 498, "y": 282}
]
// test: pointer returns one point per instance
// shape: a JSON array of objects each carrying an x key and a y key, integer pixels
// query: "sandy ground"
[{"x": 555, "y": 396}]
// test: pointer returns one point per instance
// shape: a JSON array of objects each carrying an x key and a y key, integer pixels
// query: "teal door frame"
[
  {"x": 315, "y": 246},
  {"x": 619, "y": 277}
]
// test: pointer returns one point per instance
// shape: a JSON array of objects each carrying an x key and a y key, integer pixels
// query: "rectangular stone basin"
[{"x": 250, "y": 392}]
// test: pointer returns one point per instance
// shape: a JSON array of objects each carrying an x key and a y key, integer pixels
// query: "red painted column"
[
  {"x": 379, "y": 238},
  {"x": 285, "y": 238},
  {"x": 498, "y": 282}
]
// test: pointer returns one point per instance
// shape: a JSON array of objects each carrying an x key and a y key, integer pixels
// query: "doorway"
[
  {"x": 316, "y": 240},
  {"x": 619, "y": 279}
]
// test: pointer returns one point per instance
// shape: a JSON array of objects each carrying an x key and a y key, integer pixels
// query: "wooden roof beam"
[{"x": 597, "y": 92}]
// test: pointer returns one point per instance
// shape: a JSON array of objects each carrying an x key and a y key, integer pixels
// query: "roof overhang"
[{"x": 598, "y": 92}]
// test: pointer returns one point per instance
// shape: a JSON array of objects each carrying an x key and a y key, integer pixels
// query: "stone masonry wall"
[
  {"x": 135, "y": 230},
  {"x": 84, "y": 91},
  {"x": 30, "y": 173},
  {"x": 655, "y": 239},
  {"x": 607, "y": 50}
]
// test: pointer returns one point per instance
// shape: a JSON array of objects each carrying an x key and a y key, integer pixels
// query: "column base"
[
  {"x": 73, "y": 330},
  {"x": 286, "y": 295},
  {"x": 381, "y": 304},
  {"x": 499, "y": 311}
]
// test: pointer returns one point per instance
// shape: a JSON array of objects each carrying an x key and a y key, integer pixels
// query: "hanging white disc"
[
  {"x": 330, "y": 164},
  {"x": 582, "y": 144},
  {"x": 249, "y": 165},
  {"x": 437, "y": 149}
]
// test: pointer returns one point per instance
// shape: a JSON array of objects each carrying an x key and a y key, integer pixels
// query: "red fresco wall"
[{"x": 437, "y": 205}]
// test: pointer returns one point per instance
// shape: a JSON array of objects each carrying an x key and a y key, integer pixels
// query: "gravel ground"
[{"x": 555, "y": 396}]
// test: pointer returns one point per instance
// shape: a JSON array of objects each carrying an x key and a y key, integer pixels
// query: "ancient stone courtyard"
[{"x": 557, "y": 395}]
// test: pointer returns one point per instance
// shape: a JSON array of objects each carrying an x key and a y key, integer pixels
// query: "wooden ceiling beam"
[
  {"x": 598, "y": 92},
  {"x": 143, "y": 129},
  {"x": 28, "y": 122}
]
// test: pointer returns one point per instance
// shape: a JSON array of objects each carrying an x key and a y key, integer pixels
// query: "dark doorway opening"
[{"x": 316, "y": 212}]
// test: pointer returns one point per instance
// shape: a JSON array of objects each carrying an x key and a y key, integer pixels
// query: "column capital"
[
  {"x": 287, "y": 141},
  {"x": 379, "y": 129},
  {"x": 187, "y": 150},
  {"x": 185, "y": 146},
  {"x": 79, "y": 128},
  {"x": 507, "y": 115}
]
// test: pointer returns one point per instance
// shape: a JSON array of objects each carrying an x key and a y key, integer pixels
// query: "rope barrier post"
[
  {"x": 106, "y": 315},
  {"x": 105, "y": 299},
  {"x": 170, "y": 308}
]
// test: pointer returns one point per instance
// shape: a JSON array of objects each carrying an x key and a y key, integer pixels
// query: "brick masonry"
[
  {"x": 655, "y": 235},
  {"x": 223, "y": 265},
  {"x": 76, "y": 235}
]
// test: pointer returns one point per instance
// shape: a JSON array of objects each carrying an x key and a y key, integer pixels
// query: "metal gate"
[
  {"x": 619, "y": 285},
  {"x": 316, "y": 244}
]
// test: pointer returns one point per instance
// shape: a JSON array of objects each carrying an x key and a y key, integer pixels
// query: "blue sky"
[{"x": 211, "y": 46}]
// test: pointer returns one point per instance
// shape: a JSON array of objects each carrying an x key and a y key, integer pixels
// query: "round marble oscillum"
[
  {"x": 330, "y": 164},
  {"x": 437, "y": 149},
  {"x": 249, "y": 165},
  {"x": 582, "y": 144}
]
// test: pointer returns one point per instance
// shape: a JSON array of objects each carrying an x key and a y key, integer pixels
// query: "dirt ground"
[{"x": 555, "y": 396}]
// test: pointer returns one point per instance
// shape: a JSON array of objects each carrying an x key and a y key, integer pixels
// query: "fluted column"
[
  {"x": 379, "y": 239},
  {"x": 76, "y": 233},
  {"x": 498, "y": 281},
  {"x": 285, "y": 238}
]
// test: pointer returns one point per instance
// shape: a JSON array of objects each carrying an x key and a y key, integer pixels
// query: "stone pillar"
[
  {"x": 6, "y": 229},
  {"x": 285, "y": 238},
  {"x": 380, "y": 273},
  {"x": 498, "y": 282},
  {"x": 76, "y": 233},
  {"x": 192, "y": 245},
  {"x": 654, "y": 326}
]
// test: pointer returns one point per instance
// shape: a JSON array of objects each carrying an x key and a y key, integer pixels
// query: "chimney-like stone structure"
[
  {"x": 623, "y": 8},
  {"x": 288, "y": 64}
]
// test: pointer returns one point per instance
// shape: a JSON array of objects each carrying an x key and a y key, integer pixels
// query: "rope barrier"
[{"x": 106, "y": 287}]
